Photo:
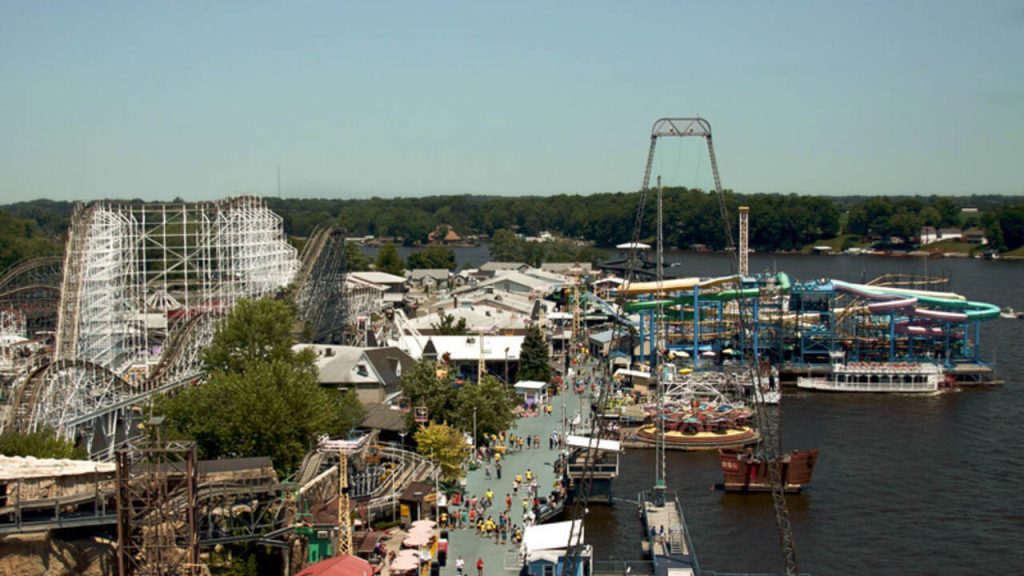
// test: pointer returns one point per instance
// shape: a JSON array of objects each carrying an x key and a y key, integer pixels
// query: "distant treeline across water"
[{"x": 778, "y": 222}]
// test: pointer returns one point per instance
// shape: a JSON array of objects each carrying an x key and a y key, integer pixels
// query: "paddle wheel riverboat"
[{"x": 900, "y": 377}]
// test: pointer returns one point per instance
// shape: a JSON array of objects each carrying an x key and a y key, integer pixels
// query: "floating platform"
[{"x": 675, "y": 440}]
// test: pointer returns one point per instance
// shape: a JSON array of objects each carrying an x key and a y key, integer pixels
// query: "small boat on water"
[
  {"x": 1010, "y": 314},
  {"x": 745, "y": 472},
  {"x": 899, "y": 377}
]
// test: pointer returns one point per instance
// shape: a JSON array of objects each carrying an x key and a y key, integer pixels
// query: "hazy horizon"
[{"x": 204, "y": 101}]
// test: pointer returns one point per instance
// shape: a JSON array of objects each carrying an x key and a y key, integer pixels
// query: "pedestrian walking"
[
  {"x": 497, "y": 466},
  {"x": 479, "y": 567}
]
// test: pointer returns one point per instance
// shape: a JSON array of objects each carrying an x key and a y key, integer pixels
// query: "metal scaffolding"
[
  {"x": 143, "y": 286},
  {"x": 157, "y": 493}
]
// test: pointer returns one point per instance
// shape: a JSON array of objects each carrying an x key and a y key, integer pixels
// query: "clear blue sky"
[{"x": 352, "y": 99}]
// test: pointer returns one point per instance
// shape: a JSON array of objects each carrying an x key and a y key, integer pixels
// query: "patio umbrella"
[{"x": 415, "y": 540}]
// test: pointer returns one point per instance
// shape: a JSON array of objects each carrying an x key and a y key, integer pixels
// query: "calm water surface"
[{"x": 904, "y": 485}]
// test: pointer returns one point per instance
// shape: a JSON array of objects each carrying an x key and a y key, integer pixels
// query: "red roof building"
[{"x": 340, "y": 566}]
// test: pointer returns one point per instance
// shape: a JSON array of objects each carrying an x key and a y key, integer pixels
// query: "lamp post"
[
  {"x": 506, "y": 365},
  {"x": 474, "y": 428},
  {"x": 402, "y": 436}
]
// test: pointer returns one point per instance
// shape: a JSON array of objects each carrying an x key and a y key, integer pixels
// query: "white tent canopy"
[
  {"x": 552, "y": 536},
  {"x": 586, "y": 442}
]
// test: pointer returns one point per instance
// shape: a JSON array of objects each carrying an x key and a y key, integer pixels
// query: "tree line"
[{"x": 692, "y": 218}]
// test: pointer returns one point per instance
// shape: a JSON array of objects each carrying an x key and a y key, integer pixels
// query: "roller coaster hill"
[
  {"x": 88, "y": 339},
  {"x": 802, "y": 327}
]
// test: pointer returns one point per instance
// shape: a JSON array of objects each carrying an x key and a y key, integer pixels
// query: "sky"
[{"x": 202, "y": 100}]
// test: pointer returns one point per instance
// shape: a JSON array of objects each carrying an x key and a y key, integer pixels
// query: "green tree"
[
  {"x": 40, "y": 444},
  {"x": 1011, "y": 224},
  {"x": 427, "y": 384},
  {"x": 445, "y": 446},
  {"x": 21, "y": 239},
  {"x": 433, "y": 256},
  {"x": 256, "y": 331},
  {"x": 355, "y": 260},
  {"x": 260, "y": 398},
  {"x": 904, "y": 224},
  {"x": 505, "y": 247},
  {"x": 389, "y": 261},
  {"x": 492, "y": 401},
  {"x": 447, "y": 326},
  {"x": 533, "y": 358},
  {"x": 949, "y": 212}
]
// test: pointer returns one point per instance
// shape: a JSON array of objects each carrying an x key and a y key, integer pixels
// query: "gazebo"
[{"x": 533, "y": 391}]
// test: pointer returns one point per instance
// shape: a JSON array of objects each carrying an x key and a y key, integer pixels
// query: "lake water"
[{"x": 904, "y": 485}]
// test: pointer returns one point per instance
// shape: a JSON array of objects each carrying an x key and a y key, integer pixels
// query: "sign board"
[{"x": 421, "y": 415}]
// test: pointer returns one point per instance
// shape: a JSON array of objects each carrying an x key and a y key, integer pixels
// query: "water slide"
[
  {"x": 689, "y": 284},
  {"x": 610, "y": 310},
  {"x": 955, "y": 308}
]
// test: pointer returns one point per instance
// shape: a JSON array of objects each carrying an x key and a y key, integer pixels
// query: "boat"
[
  {"x": 900, "y": 377},
  {"x": 744, "y": 471},
  {"x": 1010, "y": 314}
]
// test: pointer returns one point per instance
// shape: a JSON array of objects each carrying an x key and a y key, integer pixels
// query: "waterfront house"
[{"x": 429, "y": 279}]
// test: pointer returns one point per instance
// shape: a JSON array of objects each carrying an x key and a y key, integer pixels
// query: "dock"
[{"x": 668, "y": 539}]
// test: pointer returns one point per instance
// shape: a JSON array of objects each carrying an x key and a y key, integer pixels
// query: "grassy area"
[
  {"x": 838, "y": 244},
  {"x": 944, "y": 246},
  {"x": 1016, "y": 253}
]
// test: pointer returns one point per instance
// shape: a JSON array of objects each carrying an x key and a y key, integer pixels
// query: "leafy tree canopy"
[
  {"x": 41, "y": 444},
  {"x": 256, "y": 330},
  {"x": 388, "y": 260},
  {"x": 260, "y": 398},
  {"x": 505, "y": 246},
  {"x": 494, "y": 403},
  {"x": 533, "y": 358},
  {"x": 21, "y": 239},
  {"x": 355, "y": 259},
  {"x": 445, "y": 446},
  {"x": 428, "y": 384},
  {"x": 433, "y": 256}
]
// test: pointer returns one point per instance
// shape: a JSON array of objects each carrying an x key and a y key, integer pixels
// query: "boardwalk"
[{"x": 466, "y": 542}]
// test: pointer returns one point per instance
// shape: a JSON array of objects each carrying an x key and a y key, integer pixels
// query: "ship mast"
[{"x": 656, "y": 372}]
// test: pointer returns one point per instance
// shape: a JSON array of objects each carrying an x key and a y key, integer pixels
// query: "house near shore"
[{"x": 430, "y": 279}]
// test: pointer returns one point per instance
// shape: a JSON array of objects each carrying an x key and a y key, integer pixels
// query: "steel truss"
[{"x": 143, "y": 286}]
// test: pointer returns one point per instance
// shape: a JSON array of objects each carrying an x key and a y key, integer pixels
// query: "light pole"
[
  {"x": 402, "y": 436},
  {"x": 474, "y": 428}
]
